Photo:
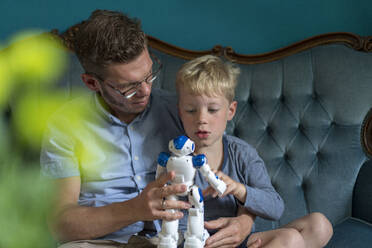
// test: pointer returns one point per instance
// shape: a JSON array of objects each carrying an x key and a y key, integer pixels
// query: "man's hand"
[{"x": 151, "y": 203}]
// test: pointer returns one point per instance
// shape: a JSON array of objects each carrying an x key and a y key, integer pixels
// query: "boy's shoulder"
[
  {"x": 239, "y": 148},
  {"x": 236, "y": 142}
]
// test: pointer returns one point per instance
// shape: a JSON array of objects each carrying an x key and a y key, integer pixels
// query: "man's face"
[{"x": 120, "y": 77}]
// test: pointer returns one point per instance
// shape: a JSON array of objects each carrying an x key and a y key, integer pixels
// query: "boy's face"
[{"x": 204, "y": 118}]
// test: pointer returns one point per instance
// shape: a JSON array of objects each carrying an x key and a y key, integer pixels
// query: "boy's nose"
[{"x": 202, "y": 118}]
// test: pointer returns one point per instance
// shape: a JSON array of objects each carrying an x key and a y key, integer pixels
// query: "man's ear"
[
  {"x": 90, "y": 81},
  {"x": 232, "y": 110}
]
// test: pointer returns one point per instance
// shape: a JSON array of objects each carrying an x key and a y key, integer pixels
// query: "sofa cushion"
[{"x": 351, "y": 233}]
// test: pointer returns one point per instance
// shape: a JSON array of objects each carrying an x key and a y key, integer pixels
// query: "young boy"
[{"x": 205, "y": 88}]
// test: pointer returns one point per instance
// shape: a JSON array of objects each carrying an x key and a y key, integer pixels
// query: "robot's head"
[{"x": 181, "y": 146}]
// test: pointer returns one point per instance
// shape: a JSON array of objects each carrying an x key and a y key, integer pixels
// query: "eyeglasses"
[{"x": 131, "y": 88}]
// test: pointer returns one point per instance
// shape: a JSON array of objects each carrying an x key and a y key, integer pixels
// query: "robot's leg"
[
  {"x": 196, "y": 235},
  {"x": 168, "y": 236}
]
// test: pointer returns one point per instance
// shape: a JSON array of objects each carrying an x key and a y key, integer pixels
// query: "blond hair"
[{"x": 208, "y": 75}]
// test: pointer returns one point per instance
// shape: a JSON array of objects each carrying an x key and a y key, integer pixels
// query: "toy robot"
[{"x": 185, "y": 166}]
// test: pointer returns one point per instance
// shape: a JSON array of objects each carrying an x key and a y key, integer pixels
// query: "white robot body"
[
  {"x": 184, "y": 170},
  {"x": 185, "y": 167}
]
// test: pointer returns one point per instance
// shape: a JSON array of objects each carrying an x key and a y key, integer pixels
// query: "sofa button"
[
  {"x": 286, "y": 156},
  {"x": 301, "y": 127},
  {"x": 269, "y": 130}
]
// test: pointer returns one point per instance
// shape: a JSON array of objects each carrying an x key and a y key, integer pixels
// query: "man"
[{"x": 108, "y": 197}]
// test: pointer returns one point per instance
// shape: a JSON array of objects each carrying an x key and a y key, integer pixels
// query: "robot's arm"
[
  {"x": 162, "y": 164},
  {"x": 200, "y": 162}
]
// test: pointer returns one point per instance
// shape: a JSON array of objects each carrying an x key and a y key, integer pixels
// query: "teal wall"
[{"x": 249, "y": 26}]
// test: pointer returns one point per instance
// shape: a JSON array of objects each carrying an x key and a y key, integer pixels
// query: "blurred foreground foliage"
[
  {"x": 24, "y": 206},
  {"x": 29, "y": 66}
]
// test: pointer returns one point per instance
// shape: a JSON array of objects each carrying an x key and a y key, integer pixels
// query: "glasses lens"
[{"x": 156, "y": 67}]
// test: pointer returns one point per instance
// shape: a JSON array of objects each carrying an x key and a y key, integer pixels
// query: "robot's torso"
[{"x": 184, "y": 169}]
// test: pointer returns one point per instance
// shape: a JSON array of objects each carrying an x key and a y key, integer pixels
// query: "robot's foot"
[
  {"x": 194, "y": 242},
  {"x": 167, "y": 242}
]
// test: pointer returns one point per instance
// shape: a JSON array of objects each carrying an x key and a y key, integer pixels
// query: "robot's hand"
[
  {"x": 217, "y": 184},
  {"x": 200, "y": 162}
]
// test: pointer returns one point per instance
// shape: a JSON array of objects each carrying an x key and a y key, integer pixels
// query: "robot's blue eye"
[
  {"x": 193, "y": 146},
  {"x": 179, "y": 142},
  {"x": 216, "y": 176}
]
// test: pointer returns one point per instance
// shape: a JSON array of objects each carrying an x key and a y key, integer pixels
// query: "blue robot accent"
[
  {"x": 163, "y": 159},
  {"x": 180, "y": 141},
  {"x": 199, "y": 160}
]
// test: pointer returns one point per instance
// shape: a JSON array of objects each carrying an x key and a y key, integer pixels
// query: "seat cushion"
[{"x": 351, "y": 233}]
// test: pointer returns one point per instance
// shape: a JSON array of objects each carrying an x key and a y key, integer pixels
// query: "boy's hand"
[
  {"x": 232, "y": 231},
  {"x": 232, "y": 187}
]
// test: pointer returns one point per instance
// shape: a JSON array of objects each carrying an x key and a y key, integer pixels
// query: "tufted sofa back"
[{"x": 303, "y": 113}]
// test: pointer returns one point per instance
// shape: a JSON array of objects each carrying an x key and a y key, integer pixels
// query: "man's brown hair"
[{"x": 108, "y": 37}]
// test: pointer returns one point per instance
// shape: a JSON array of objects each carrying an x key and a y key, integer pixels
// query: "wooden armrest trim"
[
  {"x": 355, "y": 41},
  {"x": 366, "y": 134}
]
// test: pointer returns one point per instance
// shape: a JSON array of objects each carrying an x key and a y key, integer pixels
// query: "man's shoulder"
[
  {"x": 163, "y": 100},
  {"x": 164, "y": 96},
  {"x": 77, "y": 107}
]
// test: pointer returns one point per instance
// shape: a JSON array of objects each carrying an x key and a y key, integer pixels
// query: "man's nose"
[{"x": 144, "y": 89}]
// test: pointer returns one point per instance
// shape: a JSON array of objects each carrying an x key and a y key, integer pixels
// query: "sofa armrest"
[
  {"x": 351, "y": 233},
  {"x": 362, "y": 196}
]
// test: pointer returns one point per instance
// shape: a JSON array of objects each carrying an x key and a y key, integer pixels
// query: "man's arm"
[{"x": 71, "y": 221}]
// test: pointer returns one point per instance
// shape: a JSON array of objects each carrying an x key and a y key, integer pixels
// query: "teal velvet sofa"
[{"x": 304, "y": 108}]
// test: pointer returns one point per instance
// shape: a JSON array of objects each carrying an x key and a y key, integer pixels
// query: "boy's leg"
[
  {"x": 315, "y": 229},
  {"x": 282, "y": 237}
]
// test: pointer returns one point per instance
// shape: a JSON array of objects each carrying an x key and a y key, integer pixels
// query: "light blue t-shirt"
[{"x": 125, "y": 158}]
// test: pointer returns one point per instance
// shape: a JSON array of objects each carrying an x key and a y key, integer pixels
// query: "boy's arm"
[{"x": 259, "y": 197}]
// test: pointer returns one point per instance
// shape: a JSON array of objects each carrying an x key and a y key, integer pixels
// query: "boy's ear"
[
  {"x": 90, "y": 81},
  {"x": 232, "y": 110}
]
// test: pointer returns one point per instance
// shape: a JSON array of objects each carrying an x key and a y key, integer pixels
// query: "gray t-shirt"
[{"x": 242, "y": 164}]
